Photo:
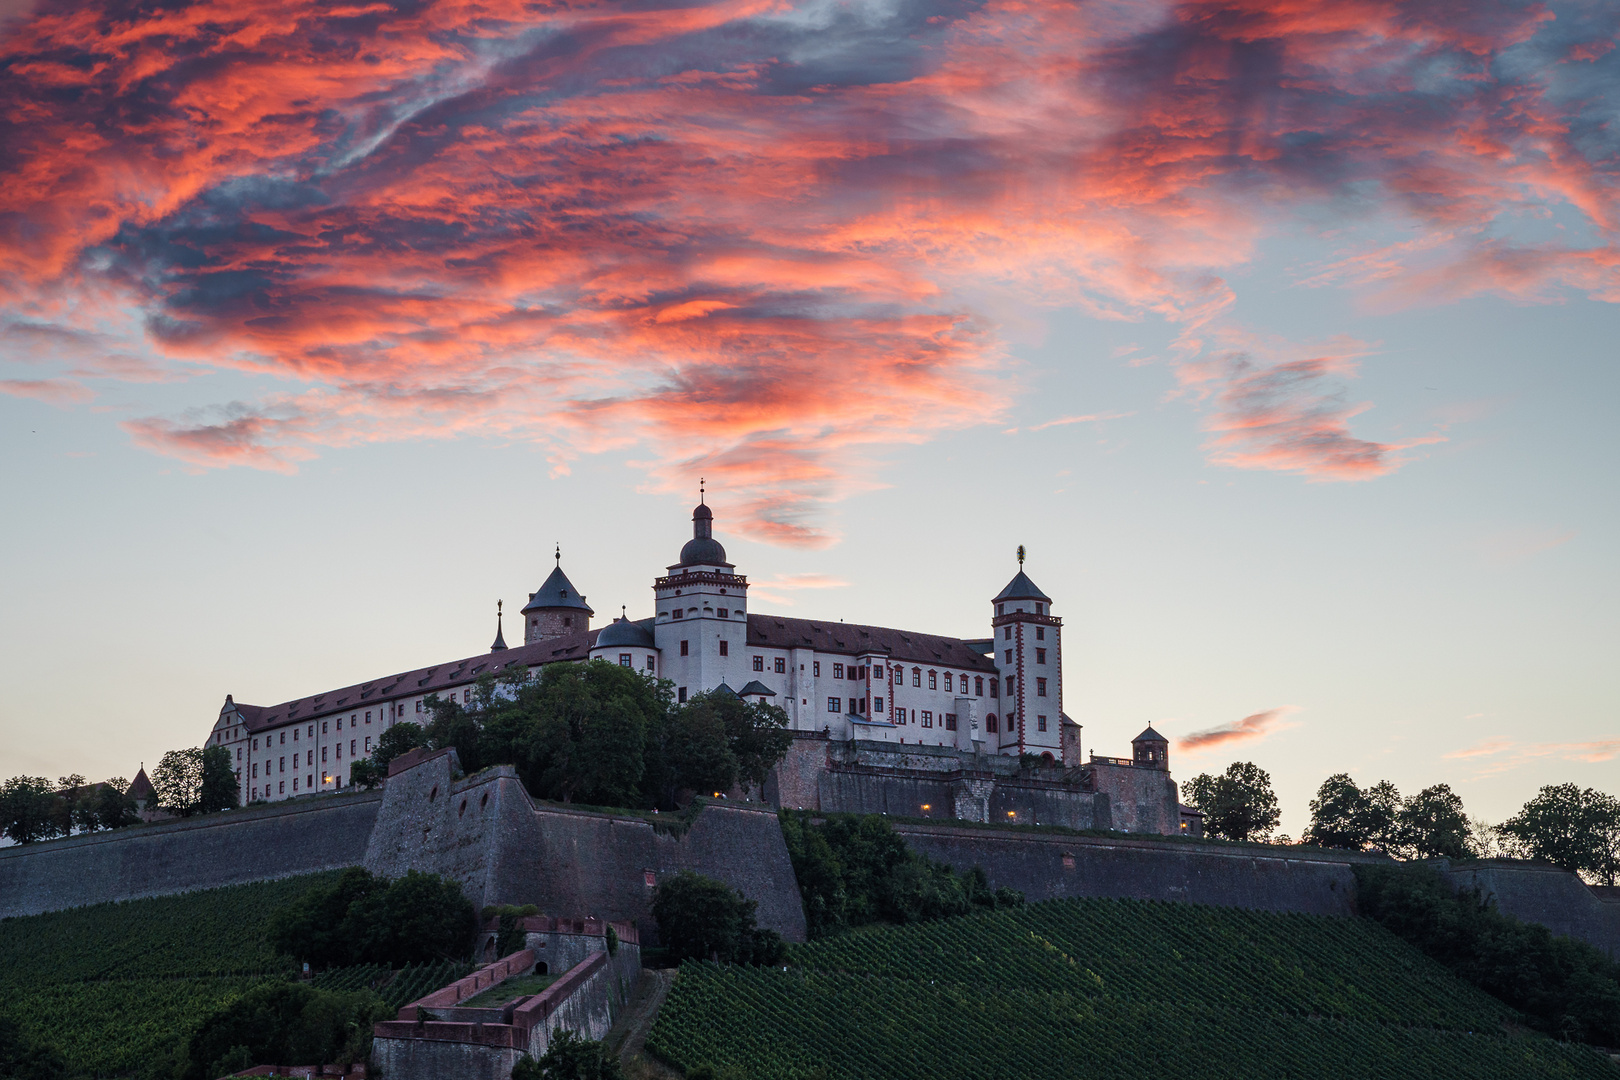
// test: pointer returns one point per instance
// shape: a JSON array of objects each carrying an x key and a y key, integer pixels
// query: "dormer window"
[{"x": 562, "y": 594}]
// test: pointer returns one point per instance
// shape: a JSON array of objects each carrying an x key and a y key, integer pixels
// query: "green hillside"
[
  {"x": 119, "y": 988},
  {"x": 1106, "y": 988}
]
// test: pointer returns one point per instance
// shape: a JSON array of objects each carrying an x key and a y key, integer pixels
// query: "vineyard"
[
  {"x": 119, "y": 988},
  {"x": 1106, "y": 988},
  {"x": 396, "y": 988}
]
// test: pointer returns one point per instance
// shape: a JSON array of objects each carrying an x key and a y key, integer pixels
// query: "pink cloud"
[
  {"x": 1255, "y": 726},
  {"x": 1497, "y": 755},
  {"x": 51, "y": 391}
]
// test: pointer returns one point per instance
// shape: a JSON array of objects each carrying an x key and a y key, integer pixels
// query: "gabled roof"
[
  {"x": 428, "y": 680},
  {"x": 756, "y": 687},
  {"x": 557, "y": 592},
  {"x": 853, "y": 639},
  {"x": 1021, "y": 588},
  {"x": 1150, "y": 735}
]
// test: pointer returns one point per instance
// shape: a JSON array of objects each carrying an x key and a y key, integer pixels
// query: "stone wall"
[
  {"x": 1554, "y": 898},
  {"x": 259, "y": 843},
  {"x": 1139, "y": 800}
]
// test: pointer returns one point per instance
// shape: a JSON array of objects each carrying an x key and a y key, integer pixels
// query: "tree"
[
  {"x": 703, "y": 919},
  {"x": 365, "y": 773},
  {"x": 178, "y": 781},
  {"x": 569, "y": 1056},
  {"x": 31, "y": 810},
  {"x": 105, "y": 806},
  {"x": 403, "y": 736},
  {"x": 362, "y": 919},
  {"x": 220, "y": 786},
  {"x": 1237, "y": 805},
  {"x": 24, "y": 1058},
  {"x": 1578, "y": 830},
  {"x": 581, "y": 731},
  {"x": 1432, "y": 825},
  {"x": 1338, "y": 815},
  {"x": 1383, "y": 816},
  {"x": 718, "y": 740},
  {"x": 283, "y": 1023}
]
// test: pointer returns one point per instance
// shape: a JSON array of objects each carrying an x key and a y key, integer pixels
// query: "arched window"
[{"x": 990, "y": 723}]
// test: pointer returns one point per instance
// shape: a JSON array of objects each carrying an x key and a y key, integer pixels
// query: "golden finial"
[{"x": 1020, "y": 556}]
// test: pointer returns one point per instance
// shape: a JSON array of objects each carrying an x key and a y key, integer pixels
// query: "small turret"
[
  {"x": 555, "y": 609},
  {"x": 1150, "y": 750},
  {"x": 500, "y": 638}
]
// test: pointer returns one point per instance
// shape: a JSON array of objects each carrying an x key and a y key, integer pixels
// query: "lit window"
[
  {"x": 838, "y": 671},
  {"x": 781, "y": 665},
  {"x": 1040, "y": 723},
  {"x": 626, "y": 659},
  {"x": 835, "y": 704},
  {"x": 1040, "y": 687}
]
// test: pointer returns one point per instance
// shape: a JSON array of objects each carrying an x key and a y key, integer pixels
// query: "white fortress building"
[{"x": 1001, "y": 694}]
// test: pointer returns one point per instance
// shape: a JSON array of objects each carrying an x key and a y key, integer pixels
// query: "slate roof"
[
  {"x": 557, "y": 592},
  {"x": 625, "y": 632},
  {"x": 1149, "y": 733},
  {"x": 756, "y": 687},
  {"x": 780, "y": 632},
  {"x": 1021, "y": 588},
  {"x": 428, "y": 680}
]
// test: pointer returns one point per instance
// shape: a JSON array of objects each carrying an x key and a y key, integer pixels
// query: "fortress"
[{"x": 888, "y": 721}]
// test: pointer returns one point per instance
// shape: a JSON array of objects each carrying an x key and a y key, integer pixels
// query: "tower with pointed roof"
[
  {"x": 556, "y": 609},
  {"x": 1150, "y": 750},
  {"x": 701, "y": 623},
  {"x": 1027, "y": 643}
]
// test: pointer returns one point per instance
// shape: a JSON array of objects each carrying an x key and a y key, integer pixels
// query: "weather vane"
[
  {"x": 700, "y": 491},
  {"x": 1020, "y": 555},
  {"x": 559, "y": 553}
]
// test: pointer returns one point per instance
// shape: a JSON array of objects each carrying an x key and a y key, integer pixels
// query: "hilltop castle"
[{"x": 888, "y": 699}]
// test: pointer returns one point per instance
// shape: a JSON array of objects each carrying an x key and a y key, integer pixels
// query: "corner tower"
[
  {"x": 702, "y": 621},
  {"x": 556, "y": 609},
  {"x": 1029, "y": 651}
]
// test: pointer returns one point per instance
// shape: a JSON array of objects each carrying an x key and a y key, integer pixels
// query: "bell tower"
[
  {"x": 702, "y": 605},
  {"x": 1028, "y": 641}
]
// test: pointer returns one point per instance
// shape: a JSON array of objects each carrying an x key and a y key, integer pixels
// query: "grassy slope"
[{"x": 1107, "y": 988}]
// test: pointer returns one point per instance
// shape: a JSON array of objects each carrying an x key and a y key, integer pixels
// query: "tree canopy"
[
  {"x": 1576, "y": 829},
  {"x": 283, "y": 1023},
  {"x": 1238, "y": 804},
  {"x": 700, "y": 918},
  {"x": 362, "y": 919},
  {"x": 195, "y": 781},
  {"x": 33, "y": 809},
  {"x": 1429, "y": 824}
]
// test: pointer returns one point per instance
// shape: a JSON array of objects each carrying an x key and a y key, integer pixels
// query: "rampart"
[{"x": 258, "y": 843}]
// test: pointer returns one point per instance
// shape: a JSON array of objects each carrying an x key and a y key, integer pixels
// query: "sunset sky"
[{"x": 1281, "y": 332}]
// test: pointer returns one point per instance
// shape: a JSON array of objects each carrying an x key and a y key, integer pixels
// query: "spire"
[{"x": 500, "y": 638}]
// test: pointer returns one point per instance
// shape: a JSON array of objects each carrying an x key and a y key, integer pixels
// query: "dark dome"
[
  {"x": 704, "y": 550},
  {"x": 623, "y": 633},
  {"x": 702, "y": 511}
]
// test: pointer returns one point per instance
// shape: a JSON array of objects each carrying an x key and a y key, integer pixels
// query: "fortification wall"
[
  {"x": 1554, "y": 898},
  {"x": 259, "y": 843},
  {"x": 1045, "y": 866},
  {"x": 1140, "y": 800}
]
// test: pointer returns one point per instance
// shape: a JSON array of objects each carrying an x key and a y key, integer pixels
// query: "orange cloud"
[
  {"x": 749, "y": 238},
  {"x": 1255, "y": 726},
  {"x": 1499, "y": 755}
]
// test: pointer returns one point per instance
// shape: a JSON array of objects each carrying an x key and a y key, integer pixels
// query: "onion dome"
[
  {"x": 621, "y": 633},
  {"x": 703, "y": 549}
]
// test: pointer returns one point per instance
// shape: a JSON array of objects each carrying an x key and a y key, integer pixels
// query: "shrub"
[
  {"x": 361, "y": 919},
  {"x": 569, "y": 1057},
  {"x": 284, "y": 1023},
  {"x": 1564, "y": 987},
  {"x": 703, "y": 919}
]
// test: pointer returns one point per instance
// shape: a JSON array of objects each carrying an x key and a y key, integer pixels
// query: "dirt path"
[{"x": 629, "y": 1034}]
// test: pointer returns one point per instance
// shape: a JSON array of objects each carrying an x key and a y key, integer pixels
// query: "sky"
[{"x": 1281, "y": 333}]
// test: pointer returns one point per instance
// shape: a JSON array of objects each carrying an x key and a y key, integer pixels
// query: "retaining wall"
[
  {"x": 258, "y": 843},
  {"x": 1554, "y": 898}
]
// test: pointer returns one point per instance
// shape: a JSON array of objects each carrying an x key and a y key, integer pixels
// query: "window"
[
  {"x": 649, "y": 662},
  {"x": 256, "y": 743},
  {"x": 1040, "y": 656},
  {"x": 1040, "y": 633},
  {"x": 1038, "y": 608},
  {"x": 1040, "y": 723},
  {"x": 838, "y": 671},
  {"x": 725, "y": 647},
  {"x": 323, "y": 726},
  {"x": 949, "y": 682},
  {"x": 933, "y": 680},
  {"x": 255, "y": 770},
  {"x": 1006, "y": 633},
  {"x": 339, "y": 753},
  {"x": 323, "y": 753},
  {"x": 368, "y": 744},
  {"x": 978, "y": 686},
  {"x": 283, "y": 738},
  {"x": 675, "y": 614},
  {"x": 780, "y": 666},
  {"x": 368, "y": 716},
  {"x": 351, "y": 747},
  {"x": 916, "y": 676},
  {"x": 282, "y": 786},
  {"x": 1008, "y": 654},
  {"x": 835, "y": 704},
  {"x": 1001, "y": 609},
  {"x": 723, "y": 613},
  {"x": 418, "y": 706},
  {"x": 877, "y": 704},
  {"x": 466, "y": 696},
  {"x": 927, "y": 718},
  {"x": 626, "y": 660},
  {"x": 990, "y": 723},
  {"x": 686, "y": 648},
  {"x": 1040, "y": 687},
  {"x": 238, "y": 753},
  {"x": 950, "y": 721},
  {"x": 1009, "y": 686},
  {"x": 759, "y": 663},
  {"x": 568, "y": 620},
  {"x": 281, "y": 765},
  {"x": 295, "y": 734},
  {"x": 681, "y": 694},
  {"x": 312, "y": 731},
  {"x": 295, "y": 783}
]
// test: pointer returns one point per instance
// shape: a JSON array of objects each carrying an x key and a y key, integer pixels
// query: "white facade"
[{"x": 1000, "y": 694}]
